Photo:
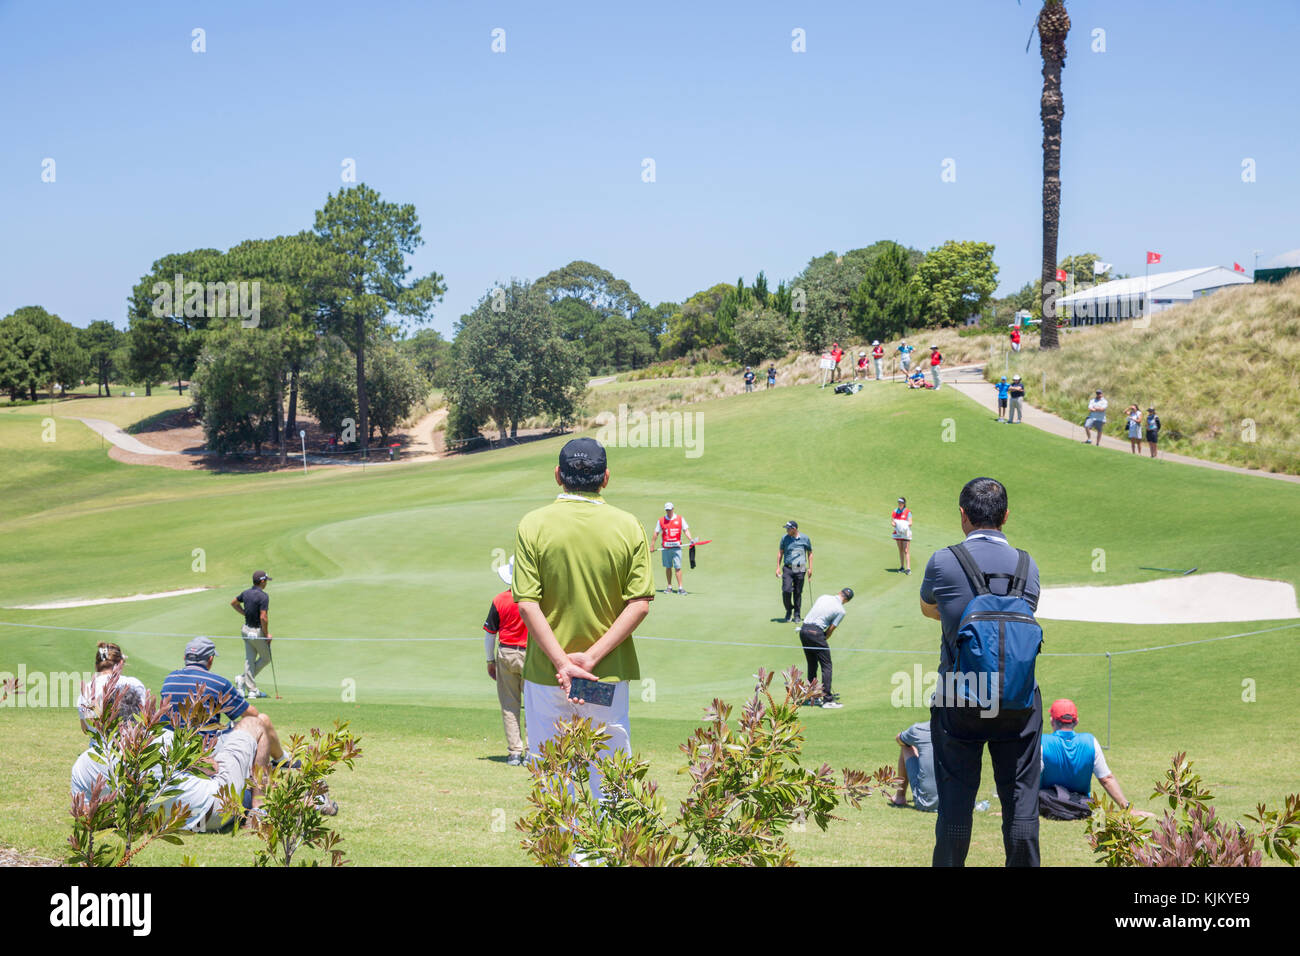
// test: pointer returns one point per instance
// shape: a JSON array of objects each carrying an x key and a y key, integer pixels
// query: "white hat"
[
  {"x": 876, "y": 342},
  {"x": 506, "y": 572},
  {"x": 668, "y": 506}
]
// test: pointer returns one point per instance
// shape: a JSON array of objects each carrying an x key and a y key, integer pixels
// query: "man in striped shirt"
[{"x": 215, "y": 694}]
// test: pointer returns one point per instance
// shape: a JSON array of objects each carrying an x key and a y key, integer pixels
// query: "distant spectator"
[
  {"x": 1153, "y": 429},
  {"x": 900, "y": 520},
  {"x": 862, "y": 366},
  {"x": 771, "y": 376},
  {"x": 109, "y": 660},
  {"x": 1015, "y": 339},
  {"x": 505, "y": 643},
  {"x": 1016, "y": 395},
  {"x": 837, "y": 353},
  {"x": 905, "y": 356},
  {"x": 917, "y": 379},
  {"x": 749, "y": 379},
  {"x": 916, "y": 767},
  {"x": 1004, "y": 390},
  {"x": 1096, "y": 418},
  {"x": 936, "y": 360},
  {"x": 1133, "y": 416},
  {"x": 877, "y": 356}
]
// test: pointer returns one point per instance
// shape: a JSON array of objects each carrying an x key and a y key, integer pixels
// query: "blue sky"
[{"x": 521, "y": 161}]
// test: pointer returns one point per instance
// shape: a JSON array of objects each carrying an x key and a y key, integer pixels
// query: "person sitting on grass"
[
  {"x": 916, "y": 767},
  {"x": 1069, "y": 761},
  {"x": 917, "y": 379},
  {"x": 109, "y": 660},
  {"x": 216, "y": 693}
]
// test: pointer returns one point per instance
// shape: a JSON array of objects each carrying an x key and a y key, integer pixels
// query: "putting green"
[{"x": 382, "y": 581}]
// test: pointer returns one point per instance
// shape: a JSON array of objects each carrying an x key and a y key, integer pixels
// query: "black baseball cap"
[
  {"x": 260, "y": 576},
  {"x": 847, "y": 592},
  {"x": 583, "y": 456},
  {"x": 792, "y": 524}
]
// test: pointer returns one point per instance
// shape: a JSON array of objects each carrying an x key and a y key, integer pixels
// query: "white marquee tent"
[{"x": 1144, "y": 295}]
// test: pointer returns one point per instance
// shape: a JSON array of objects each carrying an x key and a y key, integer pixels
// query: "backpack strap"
[
  {"x": 977, "y": 580},
  {"x": 1021, "y": 578}
]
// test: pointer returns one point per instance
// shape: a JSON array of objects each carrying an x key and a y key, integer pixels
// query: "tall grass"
[{"x": 1223, "y": 373}]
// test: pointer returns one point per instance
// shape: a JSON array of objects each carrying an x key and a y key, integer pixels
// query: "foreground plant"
[
  {"x": 748, "y": 789},
  {"x": 296, "y": 801},
  {"x": 134, "y": 804},
  {"x": 1188, "y": 834}
]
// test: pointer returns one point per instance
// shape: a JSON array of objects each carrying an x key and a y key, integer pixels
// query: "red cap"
[{"x": 1064, "y": 711}]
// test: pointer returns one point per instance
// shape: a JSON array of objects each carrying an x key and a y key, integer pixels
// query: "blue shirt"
[
  {"x": 1068, "y": 760},
  {"x": 906, "y": 349},
  {"x": 217, "y": 693},
  {"x": 1002, "y": 388},
  {"x": 794, "y": 551}
]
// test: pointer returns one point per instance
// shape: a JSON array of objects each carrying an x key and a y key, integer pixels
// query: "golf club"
[
  {"x": 274, "y": 680},
  {"x": 1172, "y": 570}
]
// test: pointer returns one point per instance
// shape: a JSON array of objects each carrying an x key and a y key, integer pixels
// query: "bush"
[
  {"x": 1188, "y": 834},
  {"x": 748, "y": 789}
]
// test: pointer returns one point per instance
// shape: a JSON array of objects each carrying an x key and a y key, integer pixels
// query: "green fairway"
[{"x": 383, "y": 579}]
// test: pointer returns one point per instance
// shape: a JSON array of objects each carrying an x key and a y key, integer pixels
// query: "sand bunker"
[
  {"x": 91, "y": 602},
  {"x": 1194, "y": 599}
]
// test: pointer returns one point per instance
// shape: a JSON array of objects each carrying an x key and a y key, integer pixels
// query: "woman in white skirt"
[
  {"x": 1134, "y": 416},
  {"x": 901, "y": 519}
]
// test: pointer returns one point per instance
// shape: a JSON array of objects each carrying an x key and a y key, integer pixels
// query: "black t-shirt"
[
  {"x": 1017, "y": 390},
  {"x": 749, "y": 378},
  {"x": 255, "y": 601}
]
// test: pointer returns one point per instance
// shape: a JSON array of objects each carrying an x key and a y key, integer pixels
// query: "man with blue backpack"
[{"x": 984, "y": 592}]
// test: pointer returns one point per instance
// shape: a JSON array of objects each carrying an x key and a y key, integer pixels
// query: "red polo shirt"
[{"x": 504, "y": 621}]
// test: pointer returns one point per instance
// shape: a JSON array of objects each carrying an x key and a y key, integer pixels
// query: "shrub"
[
  {"x": 1188, "y": 834},
  {"x": 748, "y": 788}
]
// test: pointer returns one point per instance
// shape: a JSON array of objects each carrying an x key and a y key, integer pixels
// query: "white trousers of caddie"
[{"x": 546, "y": 705}]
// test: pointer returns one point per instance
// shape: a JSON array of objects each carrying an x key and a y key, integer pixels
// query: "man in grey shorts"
[
  {"x": 254, "y": 603},
  {"x": 1096, "y": 418}
]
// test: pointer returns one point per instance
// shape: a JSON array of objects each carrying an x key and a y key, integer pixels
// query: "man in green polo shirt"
[{"x": 583, "y": 583}]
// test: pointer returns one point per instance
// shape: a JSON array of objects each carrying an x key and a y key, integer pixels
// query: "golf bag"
[
  {"x": 848, "y": 388},
  {"x": 1058, "y": 803},
  {"x": 691, "y": 553}
]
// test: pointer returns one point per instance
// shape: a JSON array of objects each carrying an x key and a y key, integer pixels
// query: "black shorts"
[
  {"x": 1152, "y": 436},
  {"x": 1002, "y": 403}
]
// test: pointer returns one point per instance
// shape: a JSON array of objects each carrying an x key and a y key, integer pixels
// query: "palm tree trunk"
[{"x": 1053, "y": 27}]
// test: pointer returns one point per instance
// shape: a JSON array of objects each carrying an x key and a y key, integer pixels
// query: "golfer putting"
[{"x": 254, "y": 603}]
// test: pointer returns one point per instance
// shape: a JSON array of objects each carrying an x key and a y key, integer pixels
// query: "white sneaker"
[
  {"x": 239, "y": 686},
  {"x": 832, "y": 705}
]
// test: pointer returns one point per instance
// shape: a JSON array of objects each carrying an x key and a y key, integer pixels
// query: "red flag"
[
  {"x": 1153, "y": 257},
  {"x": 1060, "y": 275},
  {"x": 1236, "y": 267}
]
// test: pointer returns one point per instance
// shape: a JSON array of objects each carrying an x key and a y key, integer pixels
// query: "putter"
[
  {"x": 275, "y": 680},
  {"x": 1172, "y": 570}
]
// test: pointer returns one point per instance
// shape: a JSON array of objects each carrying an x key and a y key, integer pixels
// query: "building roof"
[{"x": 1211, "y": 276}]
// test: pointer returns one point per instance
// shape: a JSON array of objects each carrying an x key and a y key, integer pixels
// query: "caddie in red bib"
[{"x": 668, "y": 533}]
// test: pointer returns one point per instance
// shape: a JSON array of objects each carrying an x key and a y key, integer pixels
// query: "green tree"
[
  {"x": 955, "y": 280},
  {"x": 823, "y": 292},
  {"x": 236, "y": 387},
  {"x": 587, "y": 298},
  {"x": 40, "y": 349},
  {"x": 102, "y": 342},
  {"x": 171, "y": 316},
  {"x": 511, "y": 363},
  {"x": 329, "y": 386},
  {"x": 431, "y": 354},
  {"x": 761, "y": 333},
  {"x": 884, "y": 304},
  {"x": 395, "y": 386},
  {"x": 695, "y": 325},
  {"x": 373, "y": 238}
]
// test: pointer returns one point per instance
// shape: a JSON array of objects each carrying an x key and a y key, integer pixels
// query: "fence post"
[{"x": 1107, "y": 700}]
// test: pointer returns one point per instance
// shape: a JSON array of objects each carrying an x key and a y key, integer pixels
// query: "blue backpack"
[{"x": 997, "y": 640}]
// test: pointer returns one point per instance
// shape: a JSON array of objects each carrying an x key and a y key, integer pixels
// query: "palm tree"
[{"x": 1053, "y": 26}]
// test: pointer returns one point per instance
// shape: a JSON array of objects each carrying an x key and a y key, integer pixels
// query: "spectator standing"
[
  {"x": 960, "y": 732},
  {"x": 877, "y": 357},
  {"x": 1016, "y": 395},
  {"x": 771, "y": 376},
  {"x": 749, "y": 379},
  {"x": 1133, "y": 416},
  {"x": 506, "y": 645},
  {"x": 582, "y": 581},
  {"x": 900, "y": 520},
  {"x": 1153, "y": 429},
  {"x": 837, "y": 353},
  {"x": 905, "y": 357},
  {"x": 1096, "y": 418},
  {"x": 1015, "y": 339},
  {"x": 936, "y": 360},
  {"x": 1004, "y": 391},
  {"x": 793, "y": 565}
]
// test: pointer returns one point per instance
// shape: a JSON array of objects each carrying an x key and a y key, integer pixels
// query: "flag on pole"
[
  {"x": 1099, "y": 267},
  {"x": 1152, "y": 257},
  {"x": 1236, "y": 267},
  {"x": 1060, "y": 275}
]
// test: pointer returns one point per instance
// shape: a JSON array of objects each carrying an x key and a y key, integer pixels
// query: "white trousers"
[{"x": 546, "y": 705}]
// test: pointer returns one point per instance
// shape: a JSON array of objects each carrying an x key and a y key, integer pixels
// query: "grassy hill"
[
  {"x": 1223, "y": 372},
  {"x": 383, "y": 578}
]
